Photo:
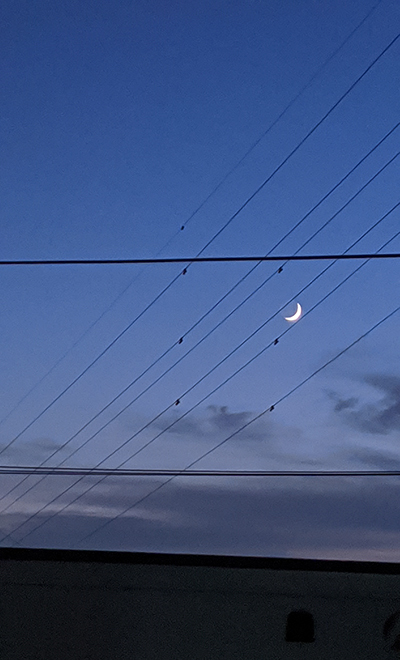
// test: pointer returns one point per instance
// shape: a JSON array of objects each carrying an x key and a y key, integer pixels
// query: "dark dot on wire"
[
  {"x": 180, "y": 341},
  {"x": 276, "y": 341},
  {"x": 183, "y": 227},
  {"x": 280, "y": 269},
  {"x": 272, "y": 408},
  {"x": 177, "y": 402},
  {"x": 184, "y": 271}
]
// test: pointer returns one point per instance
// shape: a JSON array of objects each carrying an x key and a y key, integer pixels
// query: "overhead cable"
[
  {"x": 232, "y": 217},
  {"x": 194, "y": 260},
  {"x": 201, "y": 205},
  {"x": 154, "y": 382},
  {"x": 272, "y": 343},
  {"x": 233, "y": 288},
  {"x": 243, "y": 427},
  {"x": 146, "y": 472}
]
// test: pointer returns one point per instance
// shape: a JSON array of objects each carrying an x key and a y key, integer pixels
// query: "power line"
[
  {"x": 202, "y": 204},
  {"x": 242, "y": 279},
  {"x": 282, "y": 114},
  {"x": 194, "y": 260},
  {"x": 223, "y": 297},
  {"x": 272, "y": 343},
  {"x": 269, "y": 409},
  {"x": 80, "y": 338},
  {"x": 145, "y": 472},
  {"x": 201, "y": 340},
  {"x": 232, "y": 217}
]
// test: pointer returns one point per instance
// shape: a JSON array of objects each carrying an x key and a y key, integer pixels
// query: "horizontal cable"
[
  {"x": 217, "y": 446},
  {"x": 270, "y": 409},
  {"x": 194, "y": 260},
  {"x": 115, "y": 472}
]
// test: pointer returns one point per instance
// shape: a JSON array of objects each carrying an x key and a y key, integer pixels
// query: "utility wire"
[
  {"x": 303, "y": 89},
  {"x": 232, "y": 289},
  {"x": 145, "y": 472},
  {"x": 80, "y": 338},
  {"x": 194, "y": 260},
  {"x": 154, "y": 382},
  {"x": 201, "y": 205},
  {"x": 213, "y": 307},
  {"x": 269, "y": 409},
  {"x": 272, "y": 343},
  {"x": 282, "y": 114},
  {"x": 201, "y": 340},
  {"x": 232, "y": 217}
]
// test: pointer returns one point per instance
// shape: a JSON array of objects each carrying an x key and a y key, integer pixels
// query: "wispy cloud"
[
  {"x": 380, "y": 417},
  {"x": 31, "y": 451},
  {"x": 376, "y": 459},
  {"x": 216, "y": 421}
]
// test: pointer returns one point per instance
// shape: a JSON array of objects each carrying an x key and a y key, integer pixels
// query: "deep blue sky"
[{"x": 117, "y": 121}]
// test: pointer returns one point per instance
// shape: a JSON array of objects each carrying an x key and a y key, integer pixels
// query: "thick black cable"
[
  {"x": 80, "y": 338},
  {"x": 170, "y": 348},
  {"x": 146, "y": 472},
  {"x": 208, "y": 334},
  {"x": 209, "y": 196},
  {"x": 154, "y": 382},
  {"x": 230, "y": 172},
  {"x": 270, "y": 408},
  {"x": 194, "y": 260},
  {"x": 135, "y": 380},
  {"x": 272, "y": 343},
  {"x": 243, "y": 206}
]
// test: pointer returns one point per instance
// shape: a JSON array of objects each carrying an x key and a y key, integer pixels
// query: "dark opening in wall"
[{"x": 300, "y": 627}]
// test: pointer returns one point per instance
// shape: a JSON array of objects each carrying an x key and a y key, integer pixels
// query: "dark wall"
[{"x": 77, "y": 605}]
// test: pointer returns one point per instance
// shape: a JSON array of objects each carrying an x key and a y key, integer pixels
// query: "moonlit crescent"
[{"x": 295, "y": 316}]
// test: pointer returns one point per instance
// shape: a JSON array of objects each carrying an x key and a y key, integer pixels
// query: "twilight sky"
[{"x": 124, "y": 127}]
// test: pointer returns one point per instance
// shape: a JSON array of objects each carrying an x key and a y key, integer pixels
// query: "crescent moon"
[{"x": 295, "y": 316}]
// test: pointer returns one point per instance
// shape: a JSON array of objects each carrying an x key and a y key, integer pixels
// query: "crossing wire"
[
  {"x": 168, "y": 350},
  {"x": 244, "y": 426},
  {"x": 201, "y": 205},
  {"x": 232, "y": 217},
  {"x": 272, "y": 343},
  {"x": 196, "y": 345}
]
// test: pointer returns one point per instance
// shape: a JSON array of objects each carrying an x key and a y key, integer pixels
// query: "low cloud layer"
[{"x": 341, "y": 518}]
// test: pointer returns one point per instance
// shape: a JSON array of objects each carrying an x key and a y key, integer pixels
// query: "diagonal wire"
[
  {"x": 199, "y": 342},
  {"x": 266, "y": 410},
  {"x": 242, "y": 279},
  {"x": 272, "y": 343},
  {"x": 232, "y": 217},
  {"x": 283, "y": 113},
  {"x": 201, "y": 205},
  {"x": 80, "y": 338},
  {"x": 208, "y": 334}
]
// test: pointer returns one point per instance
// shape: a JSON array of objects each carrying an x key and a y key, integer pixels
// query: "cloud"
[
  {"x": 216, "y": 422},
  {"x": 286, "y": 517},
  {"x": 380, "y": 417},
  {"x": 345, "y": 404},
  {"x": 377, "y": 459},
  {"x": 33, "y": 451}
]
